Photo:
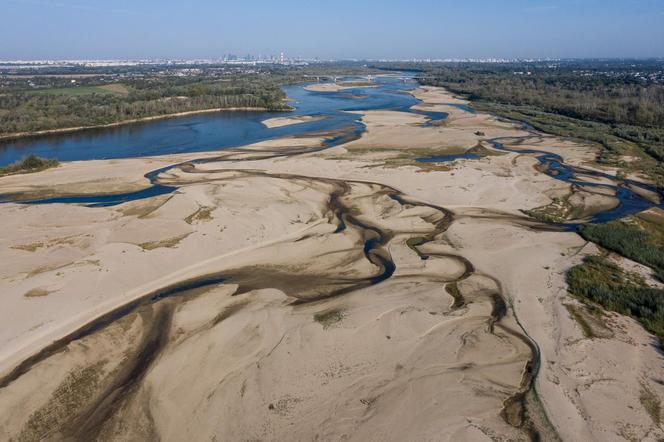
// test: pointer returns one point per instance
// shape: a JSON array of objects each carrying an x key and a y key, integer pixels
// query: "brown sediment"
[
  {"x": 162, "y": 302},
  {"x": 165, "y": 243},
  {"x": 37, "y": 293},
  {"x": 201, "y": 214},
  {"x": 342, "y": 212},
  {"x": 143, "y": 209},
  {"x": 453, "y": 290},
  {"x": 157, "y": 322}
]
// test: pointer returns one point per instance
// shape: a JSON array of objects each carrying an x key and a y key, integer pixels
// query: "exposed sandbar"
[
  {"x": 287, "y": 121},
  {"x": 336, "y": 87}
]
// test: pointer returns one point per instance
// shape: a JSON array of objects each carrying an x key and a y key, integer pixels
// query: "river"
[{"x": 209, "y": 132}]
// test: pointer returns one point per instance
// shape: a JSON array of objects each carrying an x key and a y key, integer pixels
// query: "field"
[{"x": 115, "y": 89}]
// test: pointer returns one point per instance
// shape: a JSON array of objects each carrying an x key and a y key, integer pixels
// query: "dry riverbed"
[{"x": 289, "y": 291}]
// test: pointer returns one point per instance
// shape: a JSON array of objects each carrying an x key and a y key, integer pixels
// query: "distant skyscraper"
[{"x": 282, "y": 58}]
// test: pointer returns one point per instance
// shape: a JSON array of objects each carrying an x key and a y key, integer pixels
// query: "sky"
[{"x": 331, "y": 29}]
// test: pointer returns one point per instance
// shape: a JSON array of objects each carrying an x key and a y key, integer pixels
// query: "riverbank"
[
  {"x": 19, "y": 135},
  {"x": 354, "y": 279}
]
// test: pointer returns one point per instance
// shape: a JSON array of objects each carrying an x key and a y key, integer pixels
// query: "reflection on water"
[{"x": 205, "y": 132}]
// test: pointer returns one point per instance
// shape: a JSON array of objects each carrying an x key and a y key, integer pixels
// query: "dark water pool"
[{"x": 447, "y": 158}]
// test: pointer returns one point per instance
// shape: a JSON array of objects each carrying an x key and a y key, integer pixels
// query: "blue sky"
[{"x": 33, "y": 29}]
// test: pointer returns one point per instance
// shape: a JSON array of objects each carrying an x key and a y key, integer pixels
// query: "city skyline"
[{"x": 423, "y": 29}]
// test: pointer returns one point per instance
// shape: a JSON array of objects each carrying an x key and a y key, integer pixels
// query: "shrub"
[
  {"x": 31, "y": 163},
  {"x": 600, "y": 281},
  {"x": 628, "y": 240}
]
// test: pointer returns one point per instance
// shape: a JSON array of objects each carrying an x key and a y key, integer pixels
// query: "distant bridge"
[{"x": 335, "y": 79}]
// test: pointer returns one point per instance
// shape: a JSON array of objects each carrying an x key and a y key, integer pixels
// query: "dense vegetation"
[
  {"x": 600, "y": 281},
  {"x": 639, "y": 238},
  {"x": 77, "y": 97},
  {"x": 31, "y": 163},
  {"x": 586, "y": 94},
  {"x": 619, "y": 105},
  {"x": 26, "y": 111}
]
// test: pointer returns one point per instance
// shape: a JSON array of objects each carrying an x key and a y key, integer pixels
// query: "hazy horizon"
[
  {"x": 222, "y": 59},
  {"x": 68, "y": 29}
]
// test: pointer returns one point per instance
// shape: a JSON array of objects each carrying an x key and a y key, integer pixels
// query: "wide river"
[
  {"x": 205, "y": 132},
  {"x": 208, "y": 132}
]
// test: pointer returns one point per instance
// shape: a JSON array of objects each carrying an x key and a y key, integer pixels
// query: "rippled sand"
[{"x": 288, "y": 291}]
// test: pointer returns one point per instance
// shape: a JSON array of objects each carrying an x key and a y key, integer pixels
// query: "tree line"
[
  {"x": 30, "y": 110},
  {"x": 584, "y": 95}
]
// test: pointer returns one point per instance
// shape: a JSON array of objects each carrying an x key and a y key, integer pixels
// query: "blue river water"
[{"x": 206, "y": 132}]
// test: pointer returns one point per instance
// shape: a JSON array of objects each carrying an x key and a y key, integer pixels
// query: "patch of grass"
[
  {"x": 165, "y": 243},
  {"x": 29, "y": 164},
  {"x": 36, "y": 293},
  {"x": 453, "y": 289},
  {"x": 480, "y": 150},
  {"x": 202, "y": 214},
  {"x": 652, "y": 221},
  {"x": 581, "y": 320},
  {"x": 113, "y": 89},
  {"x": 651, "y": 403},
  {"x": 412, "y": 243},
  {"x": 33, "y": 247},
  {"x": 559, "y": 211},
  {"x": 636, "y": 238},
  {"x": 328, "y": 318},
  {"x": 600, "y": 281},
  {"x": 69, "y": 397}
]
